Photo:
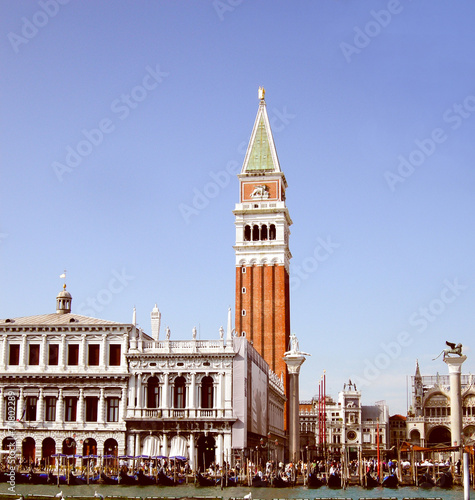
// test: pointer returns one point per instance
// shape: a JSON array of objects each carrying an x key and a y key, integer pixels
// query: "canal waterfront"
[{"x": 192, "y": 491}]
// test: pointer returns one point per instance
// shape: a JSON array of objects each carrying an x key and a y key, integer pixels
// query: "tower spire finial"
[{"x": 261, "y": 93}]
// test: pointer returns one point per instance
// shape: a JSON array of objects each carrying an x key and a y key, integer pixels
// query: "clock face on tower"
[{"x": 351, "y": 435}]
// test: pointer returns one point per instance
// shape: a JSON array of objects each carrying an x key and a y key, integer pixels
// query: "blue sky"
[{"x": 123, "y": 125}]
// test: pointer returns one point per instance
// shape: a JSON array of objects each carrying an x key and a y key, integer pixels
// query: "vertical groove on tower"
[{"x": 239, "y": 306}]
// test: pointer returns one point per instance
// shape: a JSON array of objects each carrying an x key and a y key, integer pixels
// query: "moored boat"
[
  {"x": 314, "y": 481},
  {"x": 390, "y": 481}
]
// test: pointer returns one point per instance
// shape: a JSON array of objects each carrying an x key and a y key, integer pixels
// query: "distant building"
[
  {"x": 345, "y": 427},
  {"x": 397, "y": 431},
  {"x": 428, "y": 421}
]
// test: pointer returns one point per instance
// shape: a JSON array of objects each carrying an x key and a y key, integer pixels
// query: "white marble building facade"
[{"x": 63, "y": 384}]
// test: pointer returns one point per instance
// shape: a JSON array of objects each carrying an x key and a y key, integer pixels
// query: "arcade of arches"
[{"x": 43, "y": 452}]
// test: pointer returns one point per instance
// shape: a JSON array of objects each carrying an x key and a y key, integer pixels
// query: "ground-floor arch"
[
  {"x": 28, "y": 450},
  {"x": 439, "y": 436},
  {"x": 48, "y": 449},
  {"x": 206, "y": 450}
]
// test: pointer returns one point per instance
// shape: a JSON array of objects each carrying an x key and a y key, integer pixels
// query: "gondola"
[
  {"x": 20, "y": 477},
  {"x": 314, "y": 481},
  {"x": 144, "y": 480},
  {"x": 228, "y": 481},
  {"x": 390, "y": 481},
  {"x": 259, "y": 482},
  {"x": 280, "y": 482},
  {"x": 38, "y": 478},
  {"x": 52, "y": 479},
  {"x": 426, "y": 481},
  {"x": 370, "y": 481},
  {"x": 445, "y": 481},
  {"x": 164, "y": 480},
  {"x": 83, "y": 479},
  {"x": 125, "y": 479},
  {"x": 205, "y": 481},
  {"x": 105, "y": 479},
  {"x": 334, "y": 481}
]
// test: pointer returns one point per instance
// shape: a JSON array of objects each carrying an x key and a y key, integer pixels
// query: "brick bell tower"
[{"x": 262, "y": 248}]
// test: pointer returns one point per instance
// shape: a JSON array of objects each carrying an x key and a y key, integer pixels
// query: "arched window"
[
  {"x": 264, "y": 233},
  {"x": 272, "y": 232},
  {"x": 255, "y": 233},
  {"x": 207, "y": 392},
  {"x": 247, "y": 233},
  {"x": 153, "y": 393},
  {"x": 179, "y": 393}
]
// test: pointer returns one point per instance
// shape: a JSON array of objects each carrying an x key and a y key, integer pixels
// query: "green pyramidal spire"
[{"x": 261, "y": 155}]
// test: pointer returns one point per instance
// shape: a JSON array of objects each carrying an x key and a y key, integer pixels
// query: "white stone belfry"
[{"x": 155, "y": 318}]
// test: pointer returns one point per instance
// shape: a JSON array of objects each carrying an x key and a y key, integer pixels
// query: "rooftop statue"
[{"x": 452, "y": 349}]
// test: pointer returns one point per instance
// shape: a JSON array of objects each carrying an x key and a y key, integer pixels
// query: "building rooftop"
[{"x": 54, "y": 319}]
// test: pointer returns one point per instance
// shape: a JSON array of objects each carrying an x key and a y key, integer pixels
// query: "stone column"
[
  {"x": 21, "y": 405},
  {"x": 3, "y": 353},
  {"x": 165, "y": 445},
  {"x": 192, "y": 401},
  {"x": 23, "y": 351},
  {"x": 80, "y": 408},
  {"x": 103, "y": 351},
  {"x": 83, "y": 353},
  {"x": 455, "y": 368},
  {"x": 123, "y": 405},
  {"x": 132, "y": 382},
  {"x": 60, "y": 407},
  {"x": 130, "y": 445},
  {"x": 44, "y": 353},
  {"x": 192, "y": 451},
  {"x": 165, "y": 401},
  {"x": 2, "y": 406},
  {"x": 294, "y": 361},
  {"x": 220, "y": 395},
  {"x": 62, "y": 352},
  {"x": 219, "y": 450},
  {"x": 102, "y": 407},
  {"x": 139, "y": 391},
  {"x": 40, "y": 410},
  {"x": 138, "y": 450}
]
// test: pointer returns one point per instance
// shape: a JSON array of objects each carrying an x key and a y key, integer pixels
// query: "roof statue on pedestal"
[
  {"x": 452, "y": 349},
  {"x": 294, "y": 349}
]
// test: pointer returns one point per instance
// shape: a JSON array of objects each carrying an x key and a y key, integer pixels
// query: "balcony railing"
[{"x": 178, "y": 413}]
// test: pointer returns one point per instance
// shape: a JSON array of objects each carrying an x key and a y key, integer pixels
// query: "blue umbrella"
[{"x": 178, "y": 458}]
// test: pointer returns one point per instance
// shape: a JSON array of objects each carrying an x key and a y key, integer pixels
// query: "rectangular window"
[
  {"x": 93, "y": 355},
  {"x": 70, "y": 409},
  {"x": 14, "y": 354},
  {"x": 53, "y": 354},
  {"x": 114, "y": 355},
  {"x": 73, "y": 354},
  {"x": 113, "y": 409},
  {"x": 30, "y": 410},
  {"x": 91, "y": 408},
  {"x": 34, "y": 355},
  {"x": 50, "y": 409}
]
